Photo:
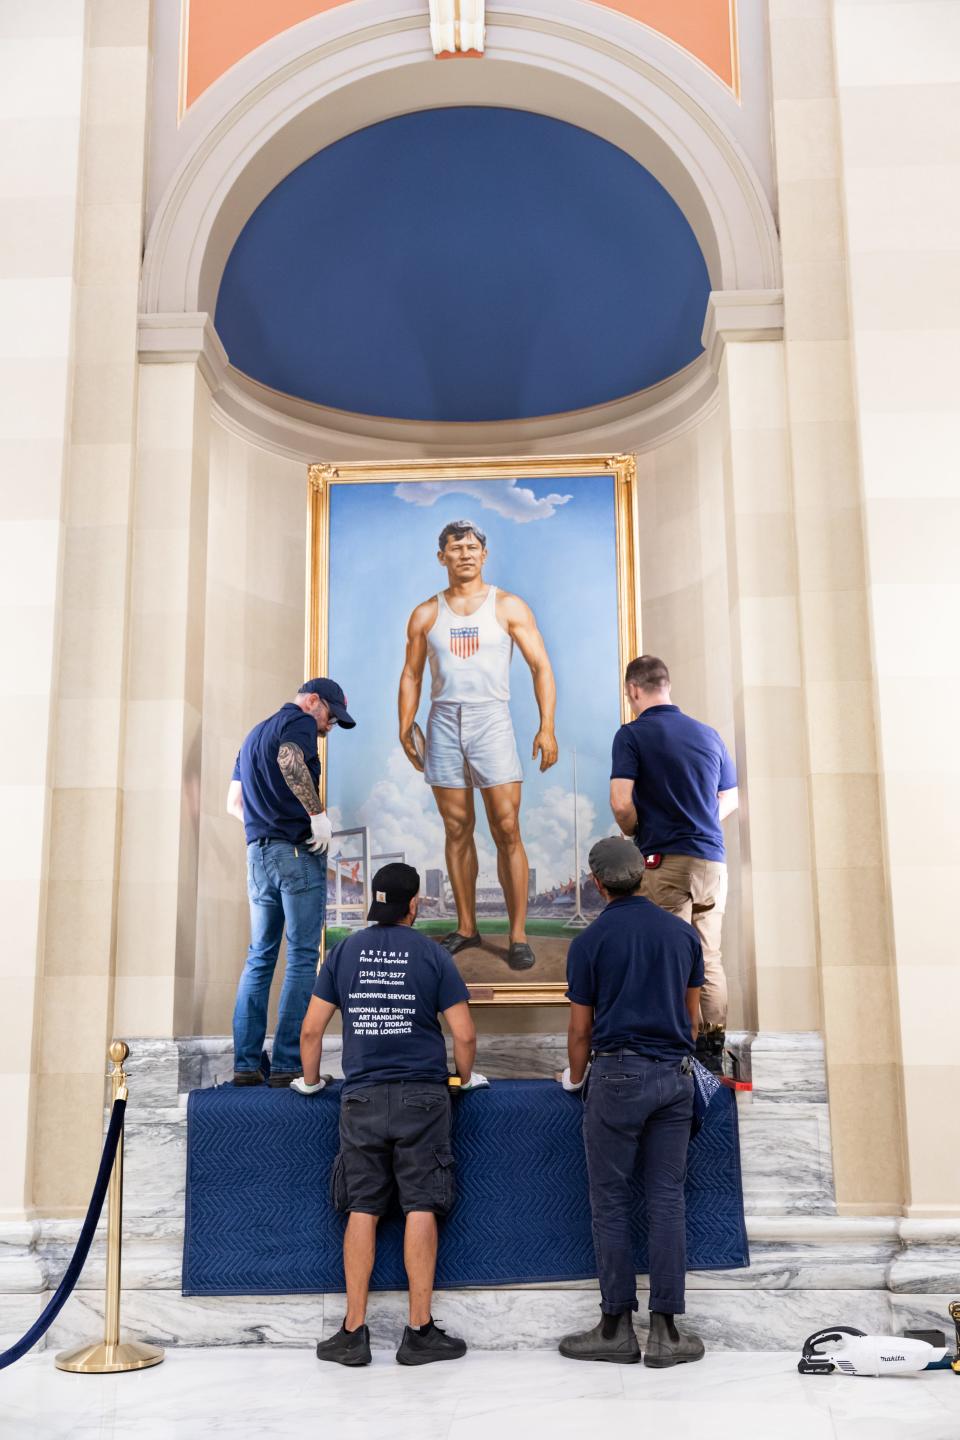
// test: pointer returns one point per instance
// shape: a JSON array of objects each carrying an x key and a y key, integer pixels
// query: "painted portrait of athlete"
[{"x": 468, "y": 632}]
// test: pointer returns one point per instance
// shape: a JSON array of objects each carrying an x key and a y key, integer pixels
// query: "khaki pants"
[{"x": 696, "y": 890}]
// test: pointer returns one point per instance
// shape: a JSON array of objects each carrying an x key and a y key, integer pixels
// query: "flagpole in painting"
[{"x": 576, "y": 921}]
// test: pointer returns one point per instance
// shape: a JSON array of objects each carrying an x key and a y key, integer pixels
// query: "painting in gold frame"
[{"x": 559, "y": 545}]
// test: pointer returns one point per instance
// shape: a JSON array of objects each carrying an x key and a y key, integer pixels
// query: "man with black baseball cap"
[
  {"x": 391, "y": 983},
  {"x": 633, "y": 982},
  {"x": 275, "y": 793}
]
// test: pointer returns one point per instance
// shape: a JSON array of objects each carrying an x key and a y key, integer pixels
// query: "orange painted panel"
[
  {"x": 221, "y": 32},
  {"x": 224, "y": 31},
  {"x": 705, "y": 28}
]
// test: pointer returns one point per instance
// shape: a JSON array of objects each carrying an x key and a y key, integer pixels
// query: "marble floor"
[{"x": 535, "y": 1395}]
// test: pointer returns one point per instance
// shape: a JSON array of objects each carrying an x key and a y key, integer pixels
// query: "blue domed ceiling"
[{"x": 464, "y": 264}]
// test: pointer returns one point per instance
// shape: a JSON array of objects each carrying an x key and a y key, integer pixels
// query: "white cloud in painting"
[
  {"x": 402, "y": 817},
  {"x": 506, "y": 497},
  {"x": 547, "y": 829}
]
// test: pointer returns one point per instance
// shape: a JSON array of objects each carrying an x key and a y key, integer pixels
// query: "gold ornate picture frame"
[{"x": 371, "y": 557}]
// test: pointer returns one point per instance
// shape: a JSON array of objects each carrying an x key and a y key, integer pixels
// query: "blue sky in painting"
[{"x": 552, "y": 542}]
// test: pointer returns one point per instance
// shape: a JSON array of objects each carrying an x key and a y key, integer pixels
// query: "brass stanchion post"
[{"x": 109, "y": 1356}]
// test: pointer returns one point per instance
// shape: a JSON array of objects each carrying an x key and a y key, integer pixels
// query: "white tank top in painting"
[{"x": 469, "y": 654}]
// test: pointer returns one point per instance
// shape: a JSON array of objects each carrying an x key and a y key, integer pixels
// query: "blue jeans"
[
  {"x": 287, "y": 885},
  {"x": 637, "y": 1107}
]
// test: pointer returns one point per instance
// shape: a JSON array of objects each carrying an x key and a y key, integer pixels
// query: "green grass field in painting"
[{"x": 485, "y": 926}]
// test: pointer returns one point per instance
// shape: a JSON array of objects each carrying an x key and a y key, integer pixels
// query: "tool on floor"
[{"x": 851, "y": 1352}]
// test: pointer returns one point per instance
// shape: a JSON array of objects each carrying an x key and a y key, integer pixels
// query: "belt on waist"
[
  {"x": 686, "y": 1061},
  {"x": 640, "y": 1054}
]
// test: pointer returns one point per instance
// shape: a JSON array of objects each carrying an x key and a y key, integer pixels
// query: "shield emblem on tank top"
[{"x": 465, "y": 640}]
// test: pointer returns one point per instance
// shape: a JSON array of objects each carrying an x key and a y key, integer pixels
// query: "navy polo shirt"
[
  {"x": 678, "y": 766},
  {"x": 390, "y": 982},
  {"x": 271, "y": 811},
  {"x": 634, "y": 965}
]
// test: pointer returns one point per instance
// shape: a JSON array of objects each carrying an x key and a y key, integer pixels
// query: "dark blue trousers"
[{"x": 637, "y": 1108}]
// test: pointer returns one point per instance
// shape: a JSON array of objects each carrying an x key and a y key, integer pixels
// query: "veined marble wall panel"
[
  {"x": 683, "y": 577},
  {"x": 41, "y": 71},
  {"x": 898, "y": 78}
]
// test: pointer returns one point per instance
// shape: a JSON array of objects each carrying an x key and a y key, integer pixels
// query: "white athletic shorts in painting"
[{"x": 471, "y": 746}]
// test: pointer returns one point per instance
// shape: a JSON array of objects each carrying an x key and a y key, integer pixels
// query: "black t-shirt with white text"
[{"x": 390, "y": 983}]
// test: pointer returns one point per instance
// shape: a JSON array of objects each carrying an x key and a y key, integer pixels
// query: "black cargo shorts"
[{"x": 398, "y": 1134}]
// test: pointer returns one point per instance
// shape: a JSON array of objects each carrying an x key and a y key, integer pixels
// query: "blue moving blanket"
[{"x": 259, "y": 1219}]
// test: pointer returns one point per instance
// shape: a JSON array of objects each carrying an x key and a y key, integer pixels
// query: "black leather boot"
[
  {"x": 666, "y": 1346},
  {"x": 614, "y": 1339}
]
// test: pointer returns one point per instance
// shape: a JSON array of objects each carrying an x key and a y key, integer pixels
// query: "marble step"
[
  {"x": 784, "y": 1123},
  {"x": 487, "y": 1319},
  {"x": 786, "y": 1253},
  {"x": 809, "y": 1267},
  {"x": 786, "y": 1066}
]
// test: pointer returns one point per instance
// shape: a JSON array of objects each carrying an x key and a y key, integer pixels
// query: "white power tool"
[{"x": 854, "y": 1353}]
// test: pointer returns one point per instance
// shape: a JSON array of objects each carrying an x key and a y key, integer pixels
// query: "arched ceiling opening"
[{"x": 464, "y": 264}]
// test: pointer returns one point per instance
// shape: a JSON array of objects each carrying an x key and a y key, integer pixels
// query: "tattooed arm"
[{"x": 294, "y": 770}]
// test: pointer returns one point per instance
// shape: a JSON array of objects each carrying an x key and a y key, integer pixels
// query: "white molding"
[
  {"x": 307, "y": 432},
  {"x": 173, "y": 339},
  {"x": 453, "y": 30},
  {"x": 740, "y": 315},
  {"x": 350, "y": 67}
]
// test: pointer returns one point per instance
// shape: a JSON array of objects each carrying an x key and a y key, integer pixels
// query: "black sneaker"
[
  {"x": 436, "y": 1344},
  {"x": 347, "y": 1347},
  {"x": 248, "y": 1077}
]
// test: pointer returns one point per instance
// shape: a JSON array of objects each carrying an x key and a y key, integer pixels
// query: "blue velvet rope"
[{"x": 72, "y": 1273}]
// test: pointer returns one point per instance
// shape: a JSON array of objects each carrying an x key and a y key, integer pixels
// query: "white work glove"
[
  {"x": 568, "y": 1084},
  {"x": 476, "y": 1082},
  {"x": 321, "y": 833},
  {"x": 302, "y": 1088}
]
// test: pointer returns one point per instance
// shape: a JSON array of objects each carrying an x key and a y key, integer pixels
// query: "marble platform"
[
  {"x": 538, "y": 1395},
  {"x": 809, "y": 1266}
]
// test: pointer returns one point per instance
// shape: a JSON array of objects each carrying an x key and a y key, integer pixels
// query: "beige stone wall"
[
  {"x": 86, "y": 811},
  {"x": 836, "y": 704},
  {"x": 799, "y": 574},
  {"x": 898, "y": 79},
  {"x": 683, "y": 581},
  {"x": 762, "y": 606},
  {"x": 254, "y": 650},
  {"x": 157, "y": 901},
  {"x": 41, "y": 71}
]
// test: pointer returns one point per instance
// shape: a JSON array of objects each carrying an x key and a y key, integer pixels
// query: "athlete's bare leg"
[
  {"x": 459, "y": 820},
  {"x": 502, "y": 804}
]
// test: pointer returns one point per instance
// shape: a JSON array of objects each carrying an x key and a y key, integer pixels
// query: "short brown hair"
[{"x": 647, "y": 671}]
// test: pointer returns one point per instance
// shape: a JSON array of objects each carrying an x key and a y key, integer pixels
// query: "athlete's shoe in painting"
[{"x": 455, "y": 942}]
